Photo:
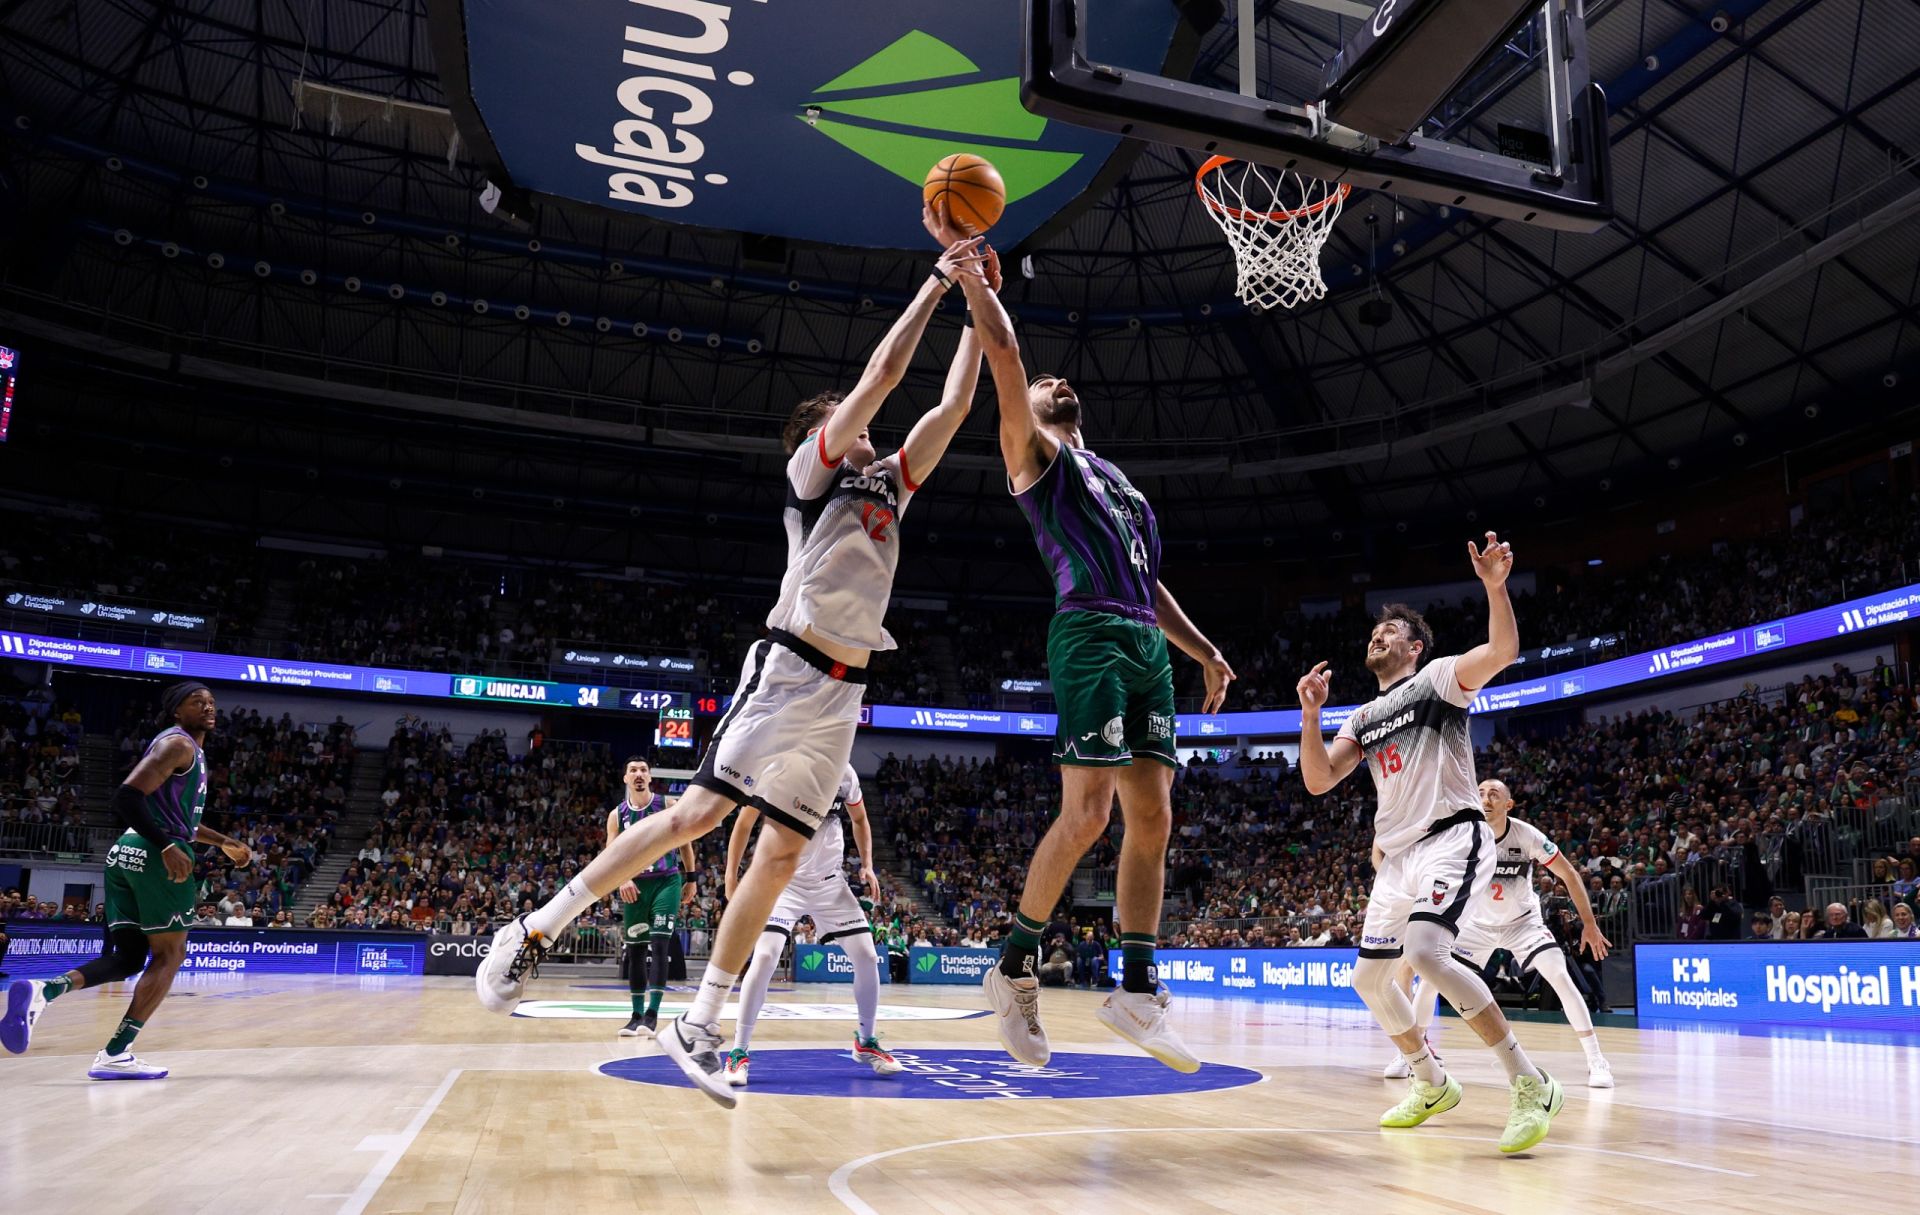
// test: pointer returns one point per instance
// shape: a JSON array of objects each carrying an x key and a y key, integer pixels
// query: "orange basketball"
[{"x": 971, "y": 189}]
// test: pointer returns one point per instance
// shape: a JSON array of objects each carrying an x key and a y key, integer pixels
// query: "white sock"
[
  {"x": 866, "y": 988},
  {"x": 1426, "y": 1066},
  {"x": 715, "y": 986},
  {"x": 753, "y": 994},
  {"x": 1514, "y": 1059},
  {"x": 1591, "y": 1044},
  {"x": 566, "y": 906}
]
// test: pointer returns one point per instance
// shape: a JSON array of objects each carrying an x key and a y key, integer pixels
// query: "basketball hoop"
[{"x": 1276, "y": 220}]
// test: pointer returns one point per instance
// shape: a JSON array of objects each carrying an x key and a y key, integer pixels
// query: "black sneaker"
[
  {"x": 697, "y": 1051},
  {"x": 636, "y": 1027},
  {"x": 651, "y": 1022}
]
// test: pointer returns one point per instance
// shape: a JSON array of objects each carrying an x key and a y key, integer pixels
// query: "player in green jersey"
[
  {"x": 150, "y": 888},
  {"x": 649, "y": 904}
]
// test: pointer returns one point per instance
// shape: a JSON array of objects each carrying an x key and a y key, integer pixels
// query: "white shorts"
[
  {"x": 1525, "y": 939},
  {"x": 783, "y": 744},
  {"x": 831, "y": 904},
  {"x": 1444, "y": 878}
]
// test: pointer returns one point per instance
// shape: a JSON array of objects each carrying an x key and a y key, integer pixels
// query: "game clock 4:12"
[{"x": 674, "y": 729}]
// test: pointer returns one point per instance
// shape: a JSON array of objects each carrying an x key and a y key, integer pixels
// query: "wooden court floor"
[{"x": 351, "y": 1095}]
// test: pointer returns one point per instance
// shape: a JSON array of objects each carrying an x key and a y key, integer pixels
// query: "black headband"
[{"x": 171, "y": 699}]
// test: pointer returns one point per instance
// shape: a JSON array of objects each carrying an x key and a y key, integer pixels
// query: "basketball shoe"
[
  {"x": 1141, "y": 1018},
  {"x": 123, "y": 1066},
  {"x": 636, "y": 1027},
  {"x": 696, "y": 1050},
  {"x": 1016, "y": 1007},
  {"x": 1535, "y": 1102},
  {"x": 738, "y": 1061},
  {"x": 26, "y": 1000},
  {"x": 870, "y": 1052},
  {"x": 1422, "y": 1102},
  {"x": 514, "y": 958}
]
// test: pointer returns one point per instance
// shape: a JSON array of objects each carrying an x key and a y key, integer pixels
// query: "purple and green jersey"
[
  {"x": 180, "y": 800},
  {"x": 630, "y": 814},
  {"x": 1096, "y": 534}
]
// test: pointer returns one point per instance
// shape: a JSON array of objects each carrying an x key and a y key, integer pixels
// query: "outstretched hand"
[
  {"x": 1493, "y": 563},
  {"x": 963, "y": 257},
  {"x": 941, "y": 225}
]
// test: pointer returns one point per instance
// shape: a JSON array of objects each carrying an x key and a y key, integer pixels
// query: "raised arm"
[
  {"x": 1321, "y": 767},
  {"x": 888, "y": 363},
  {"x": 1478, "y": 666},
  {"x": 1184, "y": 633},
  {"x": 928, "y": 440},
  {"x": 1026, "y": 448}
]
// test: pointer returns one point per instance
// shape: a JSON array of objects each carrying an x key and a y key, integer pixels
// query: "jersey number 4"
[
  {"x": 1389, "y": 758},
  {"x": 876, "y": 519}
]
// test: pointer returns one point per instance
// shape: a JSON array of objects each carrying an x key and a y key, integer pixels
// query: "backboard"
[{"x": 1484, "y": 105}]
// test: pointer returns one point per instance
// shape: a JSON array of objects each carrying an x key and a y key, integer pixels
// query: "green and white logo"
[
  {"x": 811, "y": 959},
  {"x": 919, "y": 99},
  {"x": 926, "y": 963}
]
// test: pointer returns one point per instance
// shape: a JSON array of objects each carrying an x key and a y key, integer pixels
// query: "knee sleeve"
[
  {"x": 125, "y": 955},
  {"x": 1430, "y": 949},
  {"x": 636, "y": 967},
  {"x": 659, "y": 958},
  {"x": 1373, "y": 983}
]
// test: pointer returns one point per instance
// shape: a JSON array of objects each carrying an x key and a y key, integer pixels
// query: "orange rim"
[{"x": 1338, "y": 193}]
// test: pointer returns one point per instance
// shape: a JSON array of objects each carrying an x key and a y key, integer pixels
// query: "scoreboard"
[
  {"x": 674, "y": 729},
  {"x": 567, "y": 695},
  {"x": 9, "y": 371}
]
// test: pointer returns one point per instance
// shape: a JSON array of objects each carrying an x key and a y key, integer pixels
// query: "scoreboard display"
[
  {"x": 567, "y": 695},
  {"x": 9, "y": 371},
  {"x": 674, "y": 729}
]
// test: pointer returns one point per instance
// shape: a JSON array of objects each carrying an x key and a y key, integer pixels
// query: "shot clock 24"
[{"x": 674, "y": 729}]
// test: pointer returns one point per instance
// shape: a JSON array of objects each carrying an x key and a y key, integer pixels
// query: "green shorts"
[
  {"x": 140, "y": 893},
  {"x": 656, "y": 910},
  {"x": 1113, "y": 687}
]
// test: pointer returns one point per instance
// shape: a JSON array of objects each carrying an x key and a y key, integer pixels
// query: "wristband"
[{"x": 941, "y": 277}]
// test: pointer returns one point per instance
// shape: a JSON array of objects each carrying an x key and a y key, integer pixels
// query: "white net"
[{"x": 1276, "y": 221}]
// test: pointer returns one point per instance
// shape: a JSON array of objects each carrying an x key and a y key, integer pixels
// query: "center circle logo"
[{"x": 951, "y": 1075}]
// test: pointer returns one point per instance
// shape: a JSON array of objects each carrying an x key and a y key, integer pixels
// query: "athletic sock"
[
  {"x": 1136, "y": 963},
  {"x": 1591, "y": 1045},
  {"x": 53, "y": 989},
  {"x": 1514, "y": 1059},
  {"x": 1016, "y": 958},
  {"x": 715, "y": 986},
  {"x": 123, "y": 1037},
  {"x": 562, "y": 909},
  {"x": 654, "y": 995},
  {"x": 1426, "y": 1066},
  {"x": 639, "y": 1001}
]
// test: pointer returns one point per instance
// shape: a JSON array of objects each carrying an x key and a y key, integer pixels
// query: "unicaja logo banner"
[{"x": 692, "y": 111}]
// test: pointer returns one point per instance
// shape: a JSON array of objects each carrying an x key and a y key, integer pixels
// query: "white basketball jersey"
[
  {"x": 843, "y": 546},
  {"x": 1414, "y": 737},
  {"x": 825, "y": 856},
  {"x": 1513, "y": 899}
]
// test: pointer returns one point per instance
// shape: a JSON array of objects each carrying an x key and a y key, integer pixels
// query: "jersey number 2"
[
  {"x": 876, "y": 519},
  {"x": 1389, "y": 760}
]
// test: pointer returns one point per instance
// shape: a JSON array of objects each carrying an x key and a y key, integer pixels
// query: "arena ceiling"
[{"x": 273, "y": 188}]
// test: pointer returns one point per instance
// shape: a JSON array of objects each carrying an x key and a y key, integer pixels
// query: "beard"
[{"x": 1057, "y": 411}]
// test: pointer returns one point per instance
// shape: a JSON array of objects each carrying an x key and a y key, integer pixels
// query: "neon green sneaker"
[
  {"x": 1422, "y": 1102},
  {"x": 1535, "y": 1102}
]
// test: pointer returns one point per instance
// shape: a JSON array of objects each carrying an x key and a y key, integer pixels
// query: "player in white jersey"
[
  {"x": 1433, "y": 838},
  {"x": 819, "y": 892},
  {"x": 783, "y": 742},
  {"x": 1511, "y": 918}
]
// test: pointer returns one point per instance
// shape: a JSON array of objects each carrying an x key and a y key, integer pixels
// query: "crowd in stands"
[{"x": 40, "y": 774}]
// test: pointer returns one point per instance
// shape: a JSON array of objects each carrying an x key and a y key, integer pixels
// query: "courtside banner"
[
  {"x": 1295, "y": 976},
  {"x": 448, "y": 954},
  {"x": 41, "y": 950},
  {"x": 826, "y": 964},
  {"x": 932, "y": 964},
  {"x": 1824, "y": 984}
]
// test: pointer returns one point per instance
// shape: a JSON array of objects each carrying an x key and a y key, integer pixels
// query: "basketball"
[{"x": 971, "y": 188}]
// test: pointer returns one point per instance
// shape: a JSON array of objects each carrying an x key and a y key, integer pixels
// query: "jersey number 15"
[{"x": 1389, "y": 760}]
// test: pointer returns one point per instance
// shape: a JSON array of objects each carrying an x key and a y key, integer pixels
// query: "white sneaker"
[
  {"x": 1016, "y": 1006},
  {"x": 26, "y": 1000},
  {"x": 1599, "y": 1073},
  {"x": 1141, "y": 1018},
  {"x": 123, "y": 1066},
  {"x": 1399, "y": 1069},
  {"x": 738, "y": 1062},
  {"x": 513, "y": 959},
  {"x": 698, "y": 1050}
]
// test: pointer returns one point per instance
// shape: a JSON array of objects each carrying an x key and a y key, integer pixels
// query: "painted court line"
[
  {"x": 840, "y": 1183},
  {"x": 396, "y": 1147}
]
